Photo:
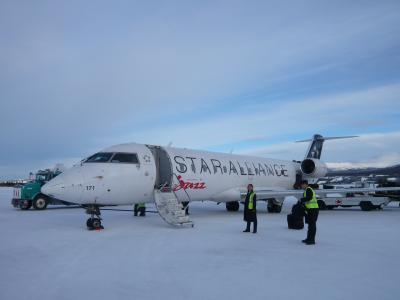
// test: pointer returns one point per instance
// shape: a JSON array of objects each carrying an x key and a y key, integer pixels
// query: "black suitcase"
[
  {"x": 295, "y": 220},
  {"x": 294, "y": 223}
]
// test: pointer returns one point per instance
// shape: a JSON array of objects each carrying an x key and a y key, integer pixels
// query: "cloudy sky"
[{"x": 252, "y": 76}]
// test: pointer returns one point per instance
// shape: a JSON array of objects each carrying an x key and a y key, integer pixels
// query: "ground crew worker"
[
  {"x": 139, "y": 208},
  {"x": 310, "y": 201},
  {"x": 250, "y": 212}
]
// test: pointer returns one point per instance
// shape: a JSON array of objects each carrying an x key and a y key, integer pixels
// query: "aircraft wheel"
[
  {"x": 40, "y": 203},
  {"x": 97, "y": 224},
  {"x": 94, "y": 224},
  {"x": 232, "y": 206},
  {"x": 89, "y": 223},
  {"x": 272, "y": 207}
]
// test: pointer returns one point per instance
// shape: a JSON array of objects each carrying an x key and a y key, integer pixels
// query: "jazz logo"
[{"x": 188, "y": 185}]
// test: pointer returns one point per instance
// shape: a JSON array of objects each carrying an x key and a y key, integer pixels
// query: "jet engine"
[{"x": 312, "y": 167}]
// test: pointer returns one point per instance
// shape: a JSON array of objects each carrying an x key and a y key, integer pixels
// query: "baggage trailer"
[{"x": 365, "y": 202}]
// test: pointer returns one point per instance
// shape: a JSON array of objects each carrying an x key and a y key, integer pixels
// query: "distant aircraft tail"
[{"x": 315, "y": 148}]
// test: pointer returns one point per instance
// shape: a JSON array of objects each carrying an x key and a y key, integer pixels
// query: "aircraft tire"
[
  {"x": 97, "y": 224},
  {"x": 89, "y": 223},
  {"x": 272, "y": 207},
  {"x": 232, "y": 206},
  {"x": 94, "y": 224}
]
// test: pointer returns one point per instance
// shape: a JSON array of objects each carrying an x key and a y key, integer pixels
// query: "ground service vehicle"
[
  {"x": 27, "y": 195},
  {"x": 365, "y": 202}
]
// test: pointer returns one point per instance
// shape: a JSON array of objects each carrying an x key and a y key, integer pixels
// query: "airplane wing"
[{"x": 273, "y": 193}]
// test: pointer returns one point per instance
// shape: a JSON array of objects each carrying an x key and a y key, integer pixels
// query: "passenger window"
[
  {"x": 100, "y": 157},
  {"x": 130, "y": 158}
]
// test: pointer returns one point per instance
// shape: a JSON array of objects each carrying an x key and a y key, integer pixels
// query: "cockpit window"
[
  {"x": 130, "y": 158},
  {"x": 100, "y": 157}
]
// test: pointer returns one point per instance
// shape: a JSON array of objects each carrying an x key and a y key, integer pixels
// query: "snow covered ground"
[{"x": 50, "y": 255}]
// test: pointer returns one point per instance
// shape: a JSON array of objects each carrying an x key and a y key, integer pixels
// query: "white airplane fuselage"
[{"x": 193, "y": 176}]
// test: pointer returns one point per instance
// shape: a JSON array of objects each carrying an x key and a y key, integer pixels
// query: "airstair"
[{"x": 170, "y": 209}]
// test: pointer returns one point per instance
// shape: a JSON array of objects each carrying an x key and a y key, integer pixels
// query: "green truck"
[{"x": 27, "y": 195}]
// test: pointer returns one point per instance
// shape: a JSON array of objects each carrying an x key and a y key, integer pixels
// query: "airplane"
[{"x": 132, "y": 173}]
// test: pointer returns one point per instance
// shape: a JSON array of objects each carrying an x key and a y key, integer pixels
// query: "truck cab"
[{"x": 27, "y": 195}]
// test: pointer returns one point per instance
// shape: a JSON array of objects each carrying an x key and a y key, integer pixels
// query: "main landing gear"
[
  {"x": 232, "y": 206},
  {"x": 94, "y": 222}
]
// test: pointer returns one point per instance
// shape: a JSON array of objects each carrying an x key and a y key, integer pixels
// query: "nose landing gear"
[{"x": 94, "y": 222}]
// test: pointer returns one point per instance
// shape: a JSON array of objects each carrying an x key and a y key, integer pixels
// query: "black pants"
[
  {"x": 254, "y": 226},
  {"x": 186, "y": 206},
  {"x": 311, "y": 219},
  {"x": 140, "y": 210}
]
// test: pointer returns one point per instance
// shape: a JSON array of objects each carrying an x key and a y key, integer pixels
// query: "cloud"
[
  {"x": 368, "y": 150},
  {"x": 76, "y": 77},
  {"x": 379, "y": 162},
  {"x": 266, "y": 121}
]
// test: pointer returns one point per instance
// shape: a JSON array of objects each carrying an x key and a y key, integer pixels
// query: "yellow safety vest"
[
  {"x": 251, "y": 200},
  {"x": 141, "y": 205},
  {"x": 313, "y": 203}
]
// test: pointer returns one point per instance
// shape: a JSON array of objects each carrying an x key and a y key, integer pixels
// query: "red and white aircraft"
[{"x": 136, "y": 173}]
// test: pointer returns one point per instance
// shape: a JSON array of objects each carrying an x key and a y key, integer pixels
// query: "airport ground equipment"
[
  {"x": 365, "y": 202},
  {"x": 170, "y": 210},
  {"x": 27, "y": 195}
]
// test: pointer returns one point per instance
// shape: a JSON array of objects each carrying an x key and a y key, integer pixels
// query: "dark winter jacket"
[{"x": 250, "y": 215}]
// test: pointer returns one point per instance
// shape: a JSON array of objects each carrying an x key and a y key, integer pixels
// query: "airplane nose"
[{"x": 67, "y": 186}]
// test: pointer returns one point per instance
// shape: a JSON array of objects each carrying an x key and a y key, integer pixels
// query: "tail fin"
[{"x": 315, "y": 148}]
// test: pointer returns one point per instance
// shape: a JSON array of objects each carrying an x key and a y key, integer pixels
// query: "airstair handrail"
[
  {"x": 162, "y": 186},
  {"x": 187, "y": 194}
]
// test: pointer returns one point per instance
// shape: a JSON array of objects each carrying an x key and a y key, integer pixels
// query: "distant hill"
[{"x": 390, "y": 171}]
